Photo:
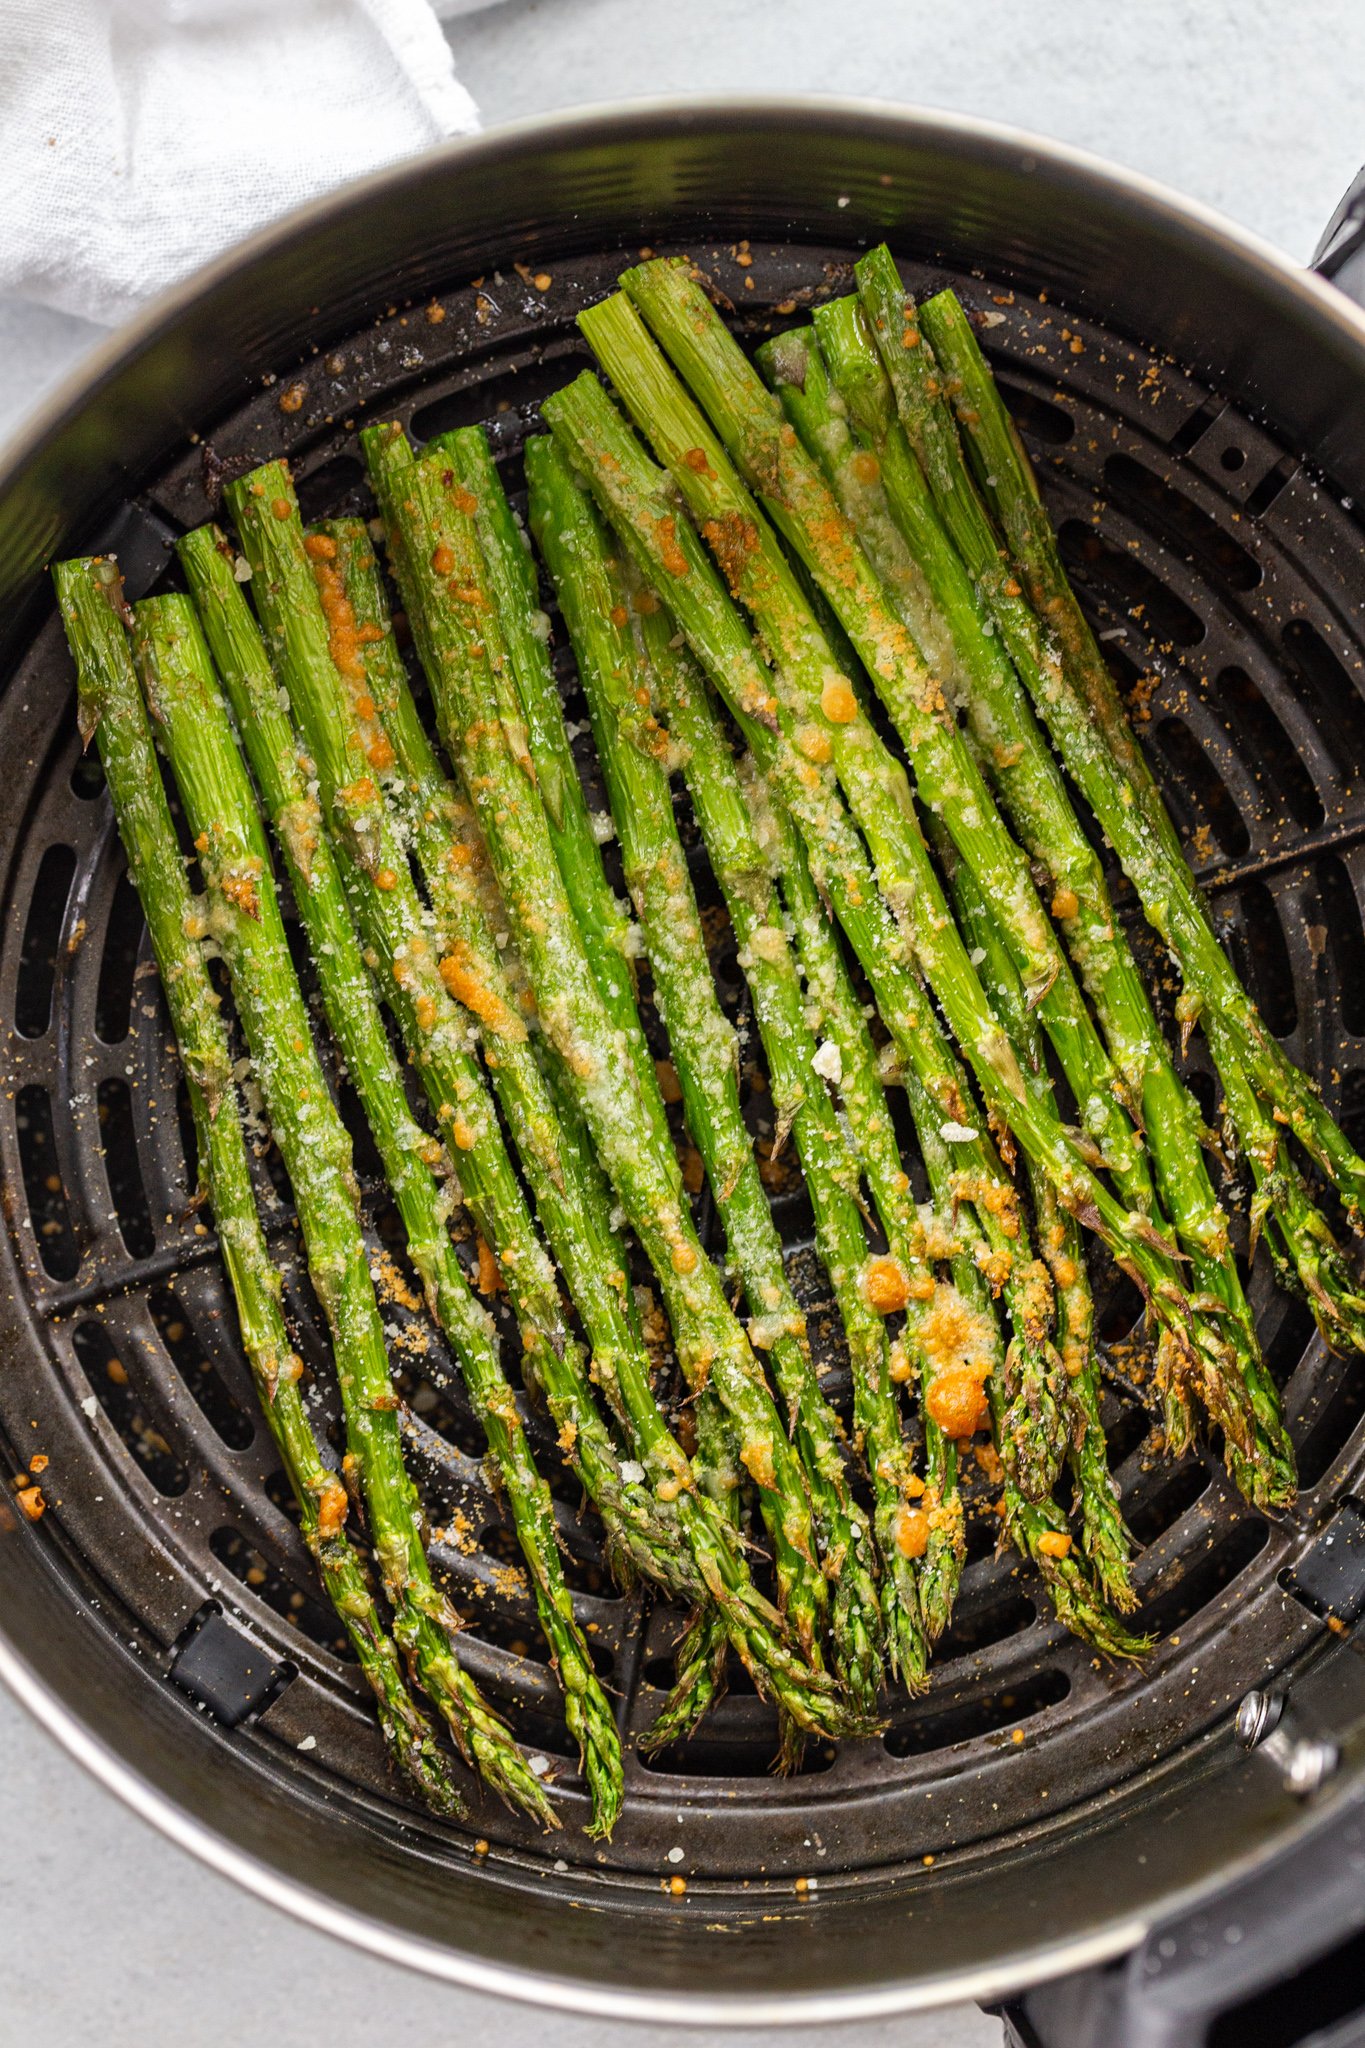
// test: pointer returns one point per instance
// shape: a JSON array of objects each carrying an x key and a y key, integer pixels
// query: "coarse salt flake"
[
  {"x": 828, "y": 1062},
  {"x": 977, "y": 955},
  {"x": 539, "y": 1765},
  {"x": 90, "y": 1406},
  {"x": 675, "y": 1855},
  {"x": 309, "y": 1742},
  {"x": 632, "y": 1472}
]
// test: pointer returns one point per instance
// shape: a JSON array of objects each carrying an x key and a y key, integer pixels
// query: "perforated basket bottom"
[{"x": 1217, "y": 573}]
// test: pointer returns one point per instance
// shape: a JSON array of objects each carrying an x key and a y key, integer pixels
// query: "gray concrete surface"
[{"x": 1249, "y": 105}]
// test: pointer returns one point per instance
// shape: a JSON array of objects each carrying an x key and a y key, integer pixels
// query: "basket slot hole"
[
  {"x": 1196, "y": 424},
  {"x": 537, "y": 1731},
  {"x": 1351, "y": 1115},
  {"x": 1208, "y": 800},
  {"x": 1329, "y": 1425},
  {"x": 47, "y": 1204},
  {"x": 711, "y": 1755},
  {"x": 333, "y": 489},
  {"x": 446, "y": 1412},
  {"x": 42, "y": 933},
  {"x": 973, "y": 1631},
  {"x": 278, "y": 1490},
  {"x": 87, "y": 777},
  {"x": 504, "y": 404},
  {"x": 1268, "y": 489},
  {"x": 976, "y": 1716},
  {"x": 662, "y": 1672},
  {"x": 365, "y": 1159},
  {"x": 1331, "y": 697},
  {"x": 1345, "y": 939},
  {"x": 189, "y": 1137},
  {"x": 118, "y": 1140},
  {"x": 118, "y": 964},
  {"x": 1120, "y": 1307},
  {"x": 1262, "y": 956},
  {"x": 1291, "y": 1339},
  {"x": 1037, "y": 419},
  {"x": 1123, "y": 1434},
  {"x": 277, "y": 1173},
  {"x": 312, "y": 1619},
  {"x": 1267, "y": 747},
  {"x": 123, "y": 1404},
  {"x": 1204, "y": 1089},
  {"x": 1204, "y": 1579},
  {"x": 1177, "y": 1492},
  {"x": 519, "y": 1634},
  {"x": 1120, "y": 579},
  {"x": 199, "y": 1374},
  {"x": 983, "y": 1532},
  {"x": 1181, "y": 521}
]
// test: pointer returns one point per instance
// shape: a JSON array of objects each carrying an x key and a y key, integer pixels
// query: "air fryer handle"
[
  {"x": 1259, "y": 1933},
  {"x": 1340, "y": 255}
]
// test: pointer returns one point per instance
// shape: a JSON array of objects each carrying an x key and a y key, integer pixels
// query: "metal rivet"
[
  {"x": 1308, "y": 1766},
  {"x": 1256, "y": 1716}
]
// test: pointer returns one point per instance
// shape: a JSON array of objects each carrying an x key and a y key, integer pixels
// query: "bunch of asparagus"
[{"x": 854, "y": 547}]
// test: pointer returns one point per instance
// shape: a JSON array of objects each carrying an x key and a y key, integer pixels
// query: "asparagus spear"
[
  {"x": 244, "y": 918},
  {"x": 1192, "y": 1344},
  {"x": 838, "y": 1018},
  {"x": 411, "y": 1158},
  {"x": 1104, "y": 1538},
  {"x": 635, "y": 754},
  {"x": 634, "y": 496},
  {"x": 110, "y": 709},
  {"x": 893, "y": 509},
  {"x": 672, "y": 1533},
  {"x": 610, "y": 940},
  {"x": 1267, "y": 1096},
  {"x": 701, "y": 1654},
  {"x": 479, "y": 714}
]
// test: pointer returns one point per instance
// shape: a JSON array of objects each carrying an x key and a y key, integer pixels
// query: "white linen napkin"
[{"x": 140, "y": 137}]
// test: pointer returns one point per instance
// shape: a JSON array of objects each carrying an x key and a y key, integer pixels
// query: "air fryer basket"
[{"x": 1036, "y": 1805}]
